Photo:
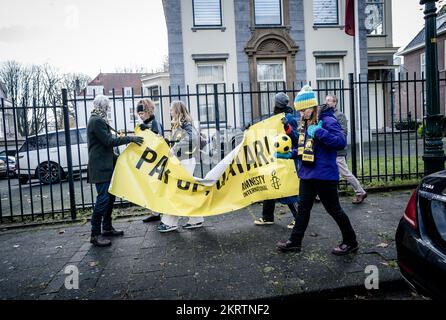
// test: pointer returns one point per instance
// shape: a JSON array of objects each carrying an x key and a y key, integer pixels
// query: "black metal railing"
[{"x": 47, "y": 175}]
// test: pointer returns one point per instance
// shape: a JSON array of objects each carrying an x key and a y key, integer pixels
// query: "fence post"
[
  {"x": 216, "y": 107},
  {"x": 66, "y": 120},
  {"x": 352, "y": 123}
]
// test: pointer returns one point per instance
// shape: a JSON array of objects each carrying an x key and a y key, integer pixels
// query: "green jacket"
[{"x": 101, "y": 157}]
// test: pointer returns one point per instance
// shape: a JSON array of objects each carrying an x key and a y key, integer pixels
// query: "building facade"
[
  {"x": 271, "y": 45},
  {"x": 412, "y": 102}
]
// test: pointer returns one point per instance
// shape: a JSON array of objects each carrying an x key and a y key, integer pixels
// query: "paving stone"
[{"x": 229, "y": 258}]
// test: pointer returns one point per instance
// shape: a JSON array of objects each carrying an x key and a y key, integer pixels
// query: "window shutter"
[
  {"x": 207, "y": 13},
  {"x": 325, "y": 11}
]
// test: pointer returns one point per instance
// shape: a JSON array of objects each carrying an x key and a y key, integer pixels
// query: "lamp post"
[{"x": 434, "y": 156}]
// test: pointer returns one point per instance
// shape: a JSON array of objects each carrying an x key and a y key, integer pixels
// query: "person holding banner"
[
  {"x": 101, "y": 163},
  {"x": 320, "y": 137},
  {"x": 185, "y": 145},
  {"x": 290, "y": 121},
  {"x": 146, "y": 112}
]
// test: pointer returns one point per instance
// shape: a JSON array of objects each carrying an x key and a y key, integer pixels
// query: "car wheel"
[
  {"x": 49, "y": 172},
  {"x": 23, "y": 179}
]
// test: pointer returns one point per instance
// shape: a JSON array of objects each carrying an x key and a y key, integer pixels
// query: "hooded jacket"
[{"x": 328, "y": 141}]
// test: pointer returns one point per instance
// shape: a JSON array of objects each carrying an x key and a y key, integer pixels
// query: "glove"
[
  {"x": 313, "y": 128},
  {"x": 143, "y": 126},
  {"x": 137, "y": 139},
  {"x": 282, "y": 155},
  {"x": 285, "y": 123}
]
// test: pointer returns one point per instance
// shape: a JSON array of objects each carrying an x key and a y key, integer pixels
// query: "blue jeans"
[{"x": 102, "y": 210}]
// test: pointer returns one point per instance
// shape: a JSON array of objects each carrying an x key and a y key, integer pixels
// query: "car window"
[
  {"x": 83, "y": 135},
  {"x": 29, "y": 145},
  {"x": 56, "y": 139},
  {"x": 74, "y": 134}
]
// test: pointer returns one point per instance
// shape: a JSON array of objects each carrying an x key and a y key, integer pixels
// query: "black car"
[{"x": 421, "y": 237}]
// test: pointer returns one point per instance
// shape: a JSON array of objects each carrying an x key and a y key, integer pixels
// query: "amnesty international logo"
[{"x": 275, "y": 182}]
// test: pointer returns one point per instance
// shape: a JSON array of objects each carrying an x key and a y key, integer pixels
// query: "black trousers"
[
  {"x": 270, "y": 205},
  {"x": 327, "y": 190}
]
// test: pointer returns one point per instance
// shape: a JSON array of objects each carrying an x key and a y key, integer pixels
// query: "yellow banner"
[{"x": 149, "y": 177}]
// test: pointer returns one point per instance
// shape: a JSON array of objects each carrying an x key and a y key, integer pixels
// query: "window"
[
  {"x": 154, "y": 93},
  {"x": 128, "y": 91},
  {"x": 374, "y": 17},
  {"x": 328, "y": 77},
  {"x": 423, "y": 74},
  {"x": 207, "y": 12},
  {"x": 271, "y": 78},
  {"x": 423, "y": 65},
  {"x": 268, "y": 12},
  {"x": 325, "y": 12},
  {"x": 132, "y": 115},
  {"x": 211, "y": 76},
  {"x": 94, "y": 90}
]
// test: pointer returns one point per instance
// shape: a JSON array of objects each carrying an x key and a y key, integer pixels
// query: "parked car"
[
  {"x": 44, "y": 156},
  {"x": 2, "y": 169},
  {"x": 10, "y": 163},
  {"x": 11, "y": 152},
  {"x": 421, "y": 238}
]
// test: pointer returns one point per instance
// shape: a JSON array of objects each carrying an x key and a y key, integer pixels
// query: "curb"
[{"x": 347, "y": 291}]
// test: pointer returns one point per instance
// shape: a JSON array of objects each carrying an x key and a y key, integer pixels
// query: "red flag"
[{"x": 350, "y": 17}]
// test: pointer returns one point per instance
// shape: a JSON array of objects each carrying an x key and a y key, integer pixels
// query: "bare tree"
[{"x": 32, "y": 88}]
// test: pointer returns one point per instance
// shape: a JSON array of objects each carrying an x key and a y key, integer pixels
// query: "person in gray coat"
[
  {"x": 101, "y": 163},
  {"x": 332, "y": 101}
]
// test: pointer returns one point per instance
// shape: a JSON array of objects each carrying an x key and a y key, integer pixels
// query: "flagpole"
[{"x": 357, "y": 66}]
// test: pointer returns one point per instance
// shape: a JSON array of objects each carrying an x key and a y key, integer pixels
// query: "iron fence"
[{"x": 46, "y": 177}]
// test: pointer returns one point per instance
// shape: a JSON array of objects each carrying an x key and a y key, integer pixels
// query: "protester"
[
  {"x": 281, "y": 101},
  {"x": 185, "y": 145},
  {"x": 341, "y": 161},
  {"x": 320, "y": 137},
  {"x": 146, "y": 112},
  {"x": 101, "y": 162}
]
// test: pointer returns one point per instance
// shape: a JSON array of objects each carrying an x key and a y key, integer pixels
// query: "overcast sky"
[{"x": 90, "y": 36}]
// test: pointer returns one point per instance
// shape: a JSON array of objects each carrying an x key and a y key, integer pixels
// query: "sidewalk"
[{"x": 230, "y": 258}]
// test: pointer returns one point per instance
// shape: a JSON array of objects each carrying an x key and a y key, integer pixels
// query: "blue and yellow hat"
[{"x": 306, "y": 98}]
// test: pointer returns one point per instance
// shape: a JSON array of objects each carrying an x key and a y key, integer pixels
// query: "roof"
[
  {"x": 118, "y": 81},
  {"x": 419, "y": 40}
]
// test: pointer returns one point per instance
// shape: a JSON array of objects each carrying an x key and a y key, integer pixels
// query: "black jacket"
[
  {"x": 154, "y": 125},
  {"x": 101, "y": 157}
]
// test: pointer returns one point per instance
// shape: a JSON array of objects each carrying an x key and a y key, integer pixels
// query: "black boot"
[
  {"x": 97, "y": 241},
  {"x": 112, "y": 233}
]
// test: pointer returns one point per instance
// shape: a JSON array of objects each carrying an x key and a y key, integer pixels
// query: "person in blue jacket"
[
  {"x": 290, "y": 123},
  {"x": 320, "y": 137}
]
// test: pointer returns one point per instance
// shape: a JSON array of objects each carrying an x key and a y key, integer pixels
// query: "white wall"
[
  {"x": 209, "y": 41},
  {"x": 328, "y": 39},
  {"x": 119, "y": 122},
  {"x": 161, "y": 81}
]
